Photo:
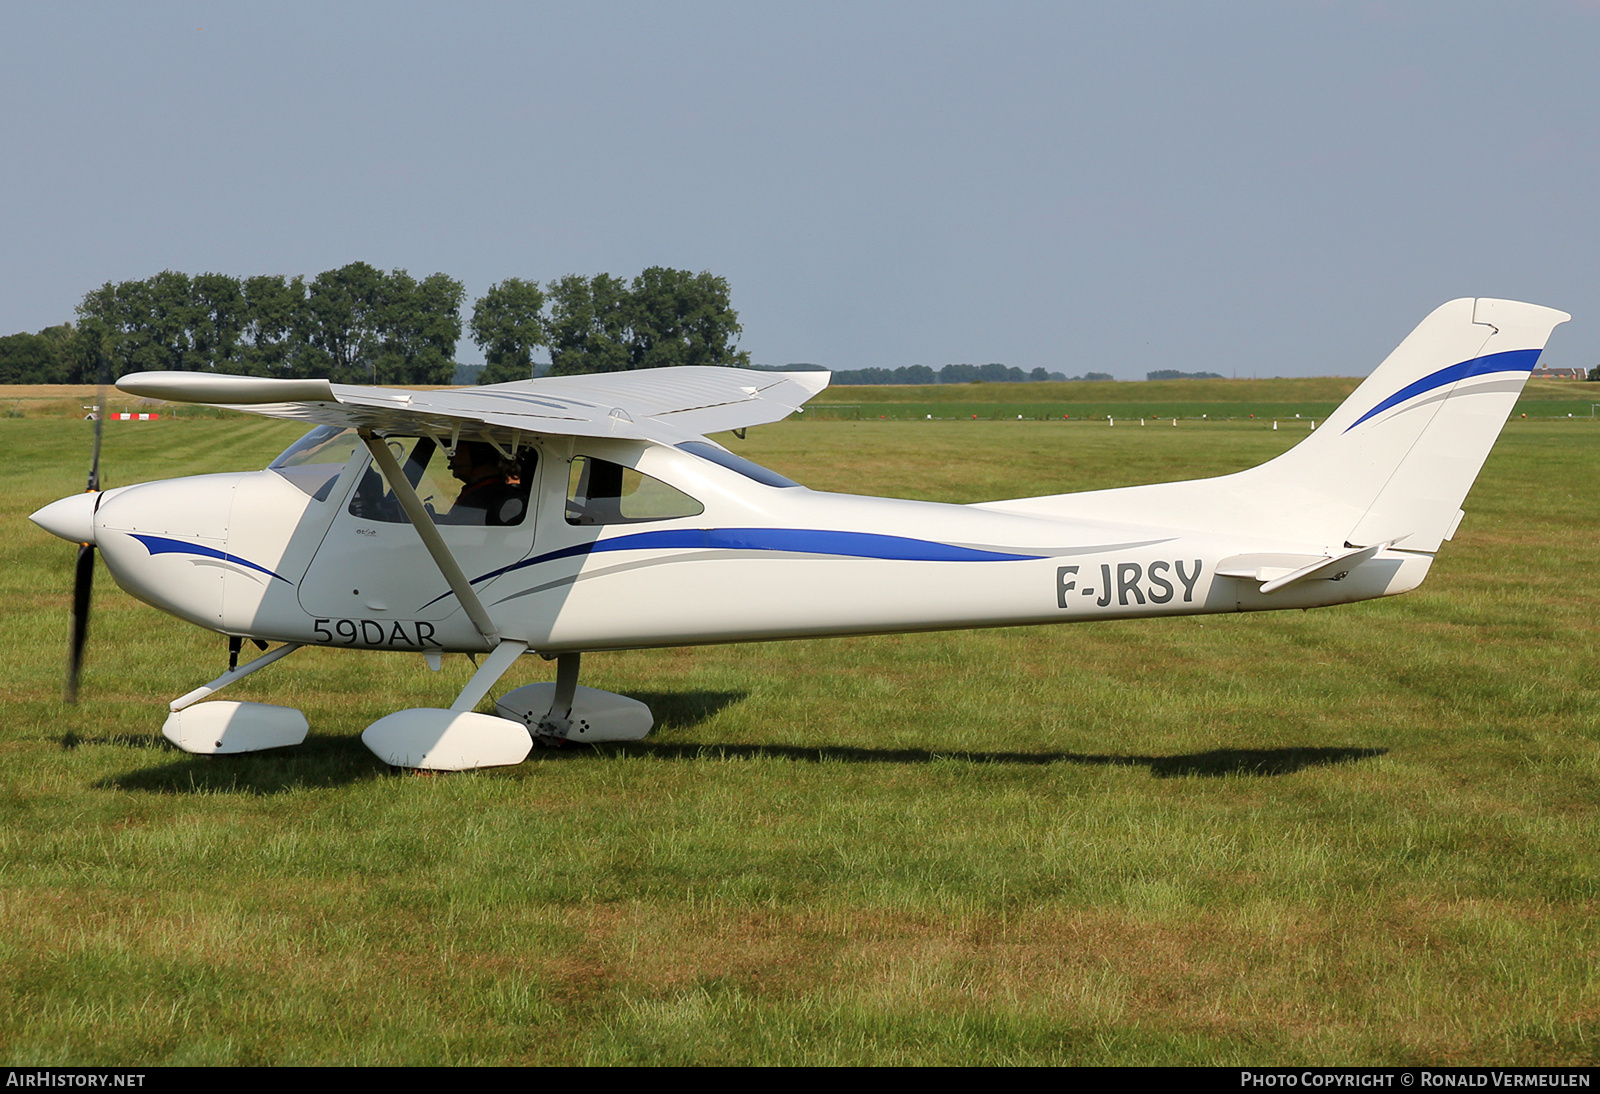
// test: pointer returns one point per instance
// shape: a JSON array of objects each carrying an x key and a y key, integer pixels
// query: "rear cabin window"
[
  {"x": 476, "y": 484},
  {"x": 602, "y": 492}
]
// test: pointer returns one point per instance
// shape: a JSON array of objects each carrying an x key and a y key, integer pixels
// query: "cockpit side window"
[
  {"x": 474, "y": 485},
  {"x": 313, "y": 462},
  {"x": 602, "y": 492}
]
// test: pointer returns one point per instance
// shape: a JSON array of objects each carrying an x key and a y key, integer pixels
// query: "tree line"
[
  {"x": 1174, "y": 374},
  {"x": 359, "y": 324},
  {"x": 955, "y": 374},
  {"x": 605, "y": 324}
]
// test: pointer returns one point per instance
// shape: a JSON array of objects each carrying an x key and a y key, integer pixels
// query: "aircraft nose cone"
[{"x": 71, "y": 518}]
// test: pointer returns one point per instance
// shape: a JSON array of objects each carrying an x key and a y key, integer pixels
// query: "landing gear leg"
[
  {"x": 558, "y": 721},
  {"x": 563, "y": 712}
]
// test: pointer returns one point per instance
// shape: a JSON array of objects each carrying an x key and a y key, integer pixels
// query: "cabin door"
[{"x": 372, "y": 565}]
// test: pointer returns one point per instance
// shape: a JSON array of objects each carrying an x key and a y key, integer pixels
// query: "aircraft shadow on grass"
[
  {"x": 321, "y": 762},
  {"x": 72, "y": 740},
  {"x": 1214, "y": 763},
  {"x": 339, "y": 761},
  {"x": 683, "y": 710}
]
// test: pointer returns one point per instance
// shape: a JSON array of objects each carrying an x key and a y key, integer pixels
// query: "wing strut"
[{"x": 431, "y": 538}]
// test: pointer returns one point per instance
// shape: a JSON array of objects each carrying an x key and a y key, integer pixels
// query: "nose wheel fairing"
[{"x": 228, "y": 728}]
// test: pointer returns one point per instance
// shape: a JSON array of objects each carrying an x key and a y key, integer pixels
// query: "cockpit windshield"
[{"x": 314, "y": 461}]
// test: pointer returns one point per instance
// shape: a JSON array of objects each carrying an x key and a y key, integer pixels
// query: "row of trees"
[
  {"x": 605, "y": 324},
  {"x": 955, "y": 374},
  {"x": 53, "y": 356},
  {"x": 1174, "y": 374},
  {"x": 358, "y": 324},
  {"x": 355, "y": 324}
]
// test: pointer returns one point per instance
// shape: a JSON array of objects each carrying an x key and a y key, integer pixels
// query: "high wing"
[{"x": 664, "y": 404}]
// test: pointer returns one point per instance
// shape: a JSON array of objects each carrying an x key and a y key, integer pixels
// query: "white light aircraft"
[{"x": 571, "y": 514}]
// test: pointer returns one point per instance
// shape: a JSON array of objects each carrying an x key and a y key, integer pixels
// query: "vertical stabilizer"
[{"x": 1402, "y": 451}]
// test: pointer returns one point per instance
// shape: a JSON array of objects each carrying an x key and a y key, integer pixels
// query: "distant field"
[
  {"x": 1361, "y": 835},
  {"x": 1263, "y": 399},
  {"x": 1311, "y": 399},
  {"x": 1327, "y": 389}
]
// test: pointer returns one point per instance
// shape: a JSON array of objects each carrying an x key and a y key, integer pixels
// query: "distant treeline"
[
  {"x": 1174, "y": 374},
  {"x": 358, "y": 324},
  {"x": 949, "y": 374},
  {"x": 53, "y": 356}
]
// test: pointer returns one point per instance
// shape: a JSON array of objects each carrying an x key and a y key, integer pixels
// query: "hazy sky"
[{"x": 1261, "y": 189}]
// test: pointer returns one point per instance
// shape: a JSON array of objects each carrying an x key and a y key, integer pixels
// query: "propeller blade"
[
  {"x": 83, "y": 576},
  {"x": 82, "y": 587},
  {"x": 99, "y": 424}
]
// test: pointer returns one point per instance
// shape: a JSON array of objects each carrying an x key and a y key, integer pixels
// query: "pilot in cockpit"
[{"x": 491, "y": 492}]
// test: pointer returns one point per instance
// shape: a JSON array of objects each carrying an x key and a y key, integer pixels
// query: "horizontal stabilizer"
[{"x": 1279, "y": 571}]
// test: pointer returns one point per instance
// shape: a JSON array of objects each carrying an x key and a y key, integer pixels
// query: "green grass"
[{"x": 1361, "y": 835}]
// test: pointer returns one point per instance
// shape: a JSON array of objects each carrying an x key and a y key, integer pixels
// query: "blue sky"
[{"x": 1251, "y": 189}]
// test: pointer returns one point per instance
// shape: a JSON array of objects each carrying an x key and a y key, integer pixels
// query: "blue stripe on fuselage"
[
  {"x": 810, "y": 541},
  {"x": 161, "y": 545}
]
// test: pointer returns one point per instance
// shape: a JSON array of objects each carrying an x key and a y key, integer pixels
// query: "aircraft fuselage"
[{"x": 253, "y": 555}]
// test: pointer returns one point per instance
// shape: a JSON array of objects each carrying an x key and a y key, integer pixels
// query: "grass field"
[
  {"x": 1310, "y": 399},
  {"x": 1357, "y": 835}
]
